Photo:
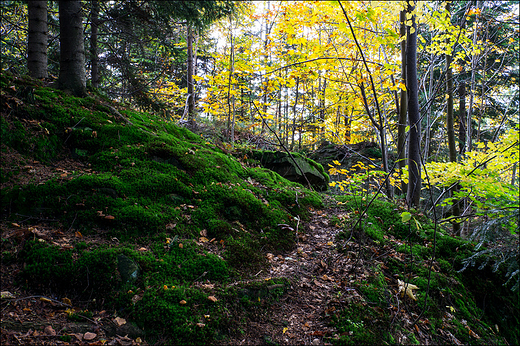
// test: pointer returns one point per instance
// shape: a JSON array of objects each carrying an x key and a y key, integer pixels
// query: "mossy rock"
[{"x": 294, "y": 167}]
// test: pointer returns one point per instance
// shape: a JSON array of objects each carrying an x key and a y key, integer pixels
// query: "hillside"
[{"x": 120, "y": 227}]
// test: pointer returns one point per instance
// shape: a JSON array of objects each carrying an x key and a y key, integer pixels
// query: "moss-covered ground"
[
  {"x": 195, "y": 224},
  {"x": 473, "y": 306}
]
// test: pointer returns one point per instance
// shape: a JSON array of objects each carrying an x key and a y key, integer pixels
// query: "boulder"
[
  {"x": 283, "y": 164},
  {"x": 128, "y": 269}
]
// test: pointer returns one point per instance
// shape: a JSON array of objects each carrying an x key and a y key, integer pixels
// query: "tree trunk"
[
  {"x": 231, "y": 110},
  {"x": 450, "y": 129},
  {"x": 401, "y": 126},
  {"x": 462, "y": 114},
  {"x": 413, "y": 196},
  {"x": 189, "y": 78},
  {"x": 37, "y": 40},
  {"x": 266, "y": 60},
  {"x": 94, "y": 58},
  {"x": 72, "y": 51},
  {"x": 469, "y": 127}
]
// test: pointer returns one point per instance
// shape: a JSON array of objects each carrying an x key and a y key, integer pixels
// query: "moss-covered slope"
[{"x": 192, "y": 212}]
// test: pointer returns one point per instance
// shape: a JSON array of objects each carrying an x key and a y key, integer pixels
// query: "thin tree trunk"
[
  {"x": 94, "y": 58},
  {"x": 381, "y": 125},
  {"x": 469, "y": 128},
  {"x": 37, "y": 39},
  {"x": 72, "y": 51},
  {"x": 231, "y": 112},
  {"x": 403, "y": 110},
  {"x": 297, "y": 87},
  {"x": 266, "y": 58},
  {"x": 450, "y": 129},
  {"x": 462, "y": 117},
  {"x": 413, "y": 196},
  {"x": 191, "y": 96}
]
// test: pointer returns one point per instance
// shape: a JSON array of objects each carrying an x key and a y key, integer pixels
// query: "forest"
[{"x": 259, "y": 172}]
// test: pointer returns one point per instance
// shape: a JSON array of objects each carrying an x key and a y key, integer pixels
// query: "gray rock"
[
  {"x": 128, "y": 269},
  {"x": 283, "y": 164}
]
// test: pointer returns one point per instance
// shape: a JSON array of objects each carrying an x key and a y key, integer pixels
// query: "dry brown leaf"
[
  {"x": 213, "y": 299},
  {"x": 49, "y": 331},
  {"x": 89, "y": 336},
  {"x": 119, "y": 321},
  {"x": 201, "y": 325},
  {"x": 66, "y": 301},
  {"x": 182, "y": 302},
  {"x": 142, "y": 249}
]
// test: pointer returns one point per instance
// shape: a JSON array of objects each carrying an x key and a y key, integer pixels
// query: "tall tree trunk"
[
  {"x": 294, "y": 111},
  {"x": 348, "y": 125},
  {"x": 72, "y": 50},
  {"x": 469, "y": 127},
  {"x": 403, "y": 110},
  {"x": 94, "y": 58},
  {"x": 413, "y": 196},
  {"x": 37, "y": 40},
  {"x": 266, "y": 60},
  {"x": 462, "y": 116},
  {"x": 189, "y": 77},
  {"x": 450, "y": 129},
  {"x": 231, "y": 108}
]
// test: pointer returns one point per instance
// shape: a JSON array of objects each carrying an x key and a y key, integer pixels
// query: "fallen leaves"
[
  {"x": 119, "y": 321},
  {"x": 89, "y": 336},
  {"x": 406, "y": 288}
]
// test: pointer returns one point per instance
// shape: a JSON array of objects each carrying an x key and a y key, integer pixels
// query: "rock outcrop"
[{"x": 298, "y": 168}]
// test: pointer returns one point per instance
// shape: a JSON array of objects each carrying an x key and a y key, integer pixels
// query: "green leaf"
[{"x": 405, "y": 216}]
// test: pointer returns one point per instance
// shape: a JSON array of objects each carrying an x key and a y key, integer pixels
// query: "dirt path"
[{"x": 320, "y": 277}]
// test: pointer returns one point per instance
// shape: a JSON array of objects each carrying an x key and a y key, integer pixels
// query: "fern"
[{"x": 501, "y": 236}]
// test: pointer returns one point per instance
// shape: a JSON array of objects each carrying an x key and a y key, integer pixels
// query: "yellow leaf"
[
  {"x": 119, "y": 321},
  {"x": 452, "y": 309},
  {"x": 284, "y": 330},
  {"x": 406, "y": 288}
]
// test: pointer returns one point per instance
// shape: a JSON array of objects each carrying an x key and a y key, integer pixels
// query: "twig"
[
  {"x": 41, "y": 298},
  {"x": 73, "y": 127}
]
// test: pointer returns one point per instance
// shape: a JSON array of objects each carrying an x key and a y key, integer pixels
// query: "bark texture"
[
  {"x": 413, "y": 196},
  {"x": 94, "y": 58},
  {"x": 37, "y": 39},
  {"x": 72, "y": 51}
]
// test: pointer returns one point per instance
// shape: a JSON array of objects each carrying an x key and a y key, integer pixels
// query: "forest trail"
[{"x": 319, "y": 276}]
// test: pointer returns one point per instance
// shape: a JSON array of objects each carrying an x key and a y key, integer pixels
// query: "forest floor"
[
  {"x": 331, "y": 285},
  {"x": 319, "y": 274}
]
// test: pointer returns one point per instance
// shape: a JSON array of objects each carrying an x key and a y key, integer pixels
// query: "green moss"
[{"x": 359, "y": 324}]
